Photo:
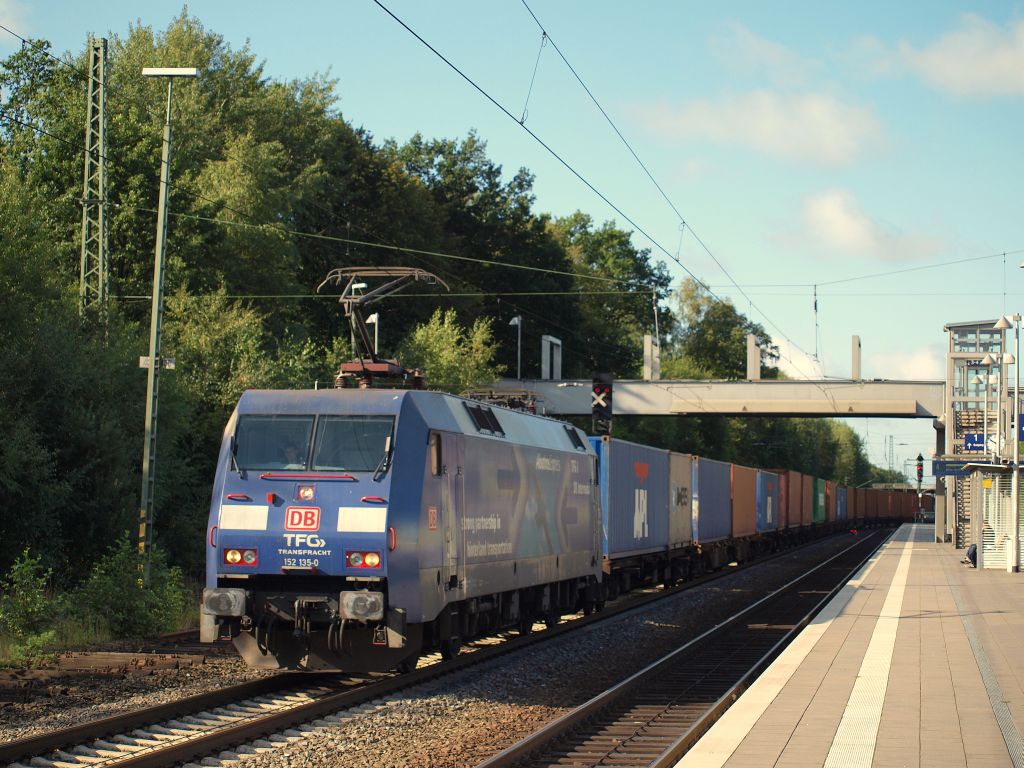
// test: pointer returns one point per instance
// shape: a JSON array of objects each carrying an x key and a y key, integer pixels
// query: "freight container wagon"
[
  {"x": 769, "y": 493},
  {"x": 790, "y": 495},
  {"x": 807, "y": 500},
  {"x": 871, "y": 506},
  {"x": 744, "y": 502},
  {"x": 830, "y": 501},
  {"x": 862, "y": 505},
  {"x": 680, "y": 519},
  {"x": 842, "y": 499},
  {"x": 712, "y": 509},
  {"x": 818, "y": 503},
  {"x": 634, "y": 482}
]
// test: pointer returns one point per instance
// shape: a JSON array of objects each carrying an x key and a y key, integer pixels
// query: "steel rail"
[
  {"x": 219, "y": 738},
  {"x": 543, "y": 740}
]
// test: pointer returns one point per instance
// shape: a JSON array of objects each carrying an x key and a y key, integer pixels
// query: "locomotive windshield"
[
  {"x": 342, "y": 443},
  {"x": 273, "y": 442},
  {"x": 351, "y": 443}
]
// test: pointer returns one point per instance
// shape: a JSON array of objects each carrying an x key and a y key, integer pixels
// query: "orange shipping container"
[
  {"x": 807, "y": 501},
  {"x": 744, "y": 501}
]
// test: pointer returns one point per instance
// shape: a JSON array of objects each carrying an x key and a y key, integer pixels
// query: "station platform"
[{"x": 918, "y": 661}]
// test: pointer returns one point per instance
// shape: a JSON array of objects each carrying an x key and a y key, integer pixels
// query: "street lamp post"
[
  {"x": 155, "y": 362},
  {"x": 1014, "y": 561},
  {"x": 517, "y": 321}
]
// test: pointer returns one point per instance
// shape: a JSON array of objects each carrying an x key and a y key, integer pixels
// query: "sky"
[{"x": 866, "y": 153}]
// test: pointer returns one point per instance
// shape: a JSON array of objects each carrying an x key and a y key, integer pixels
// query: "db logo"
[{"x": 302, "y": 519}]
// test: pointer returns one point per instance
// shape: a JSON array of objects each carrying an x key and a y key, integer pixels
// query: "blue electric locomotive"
[{"x": 351, "y": 529}]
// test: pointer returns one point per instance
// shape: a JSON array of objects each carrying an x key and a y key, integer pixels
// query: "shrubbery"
[
  {"x": 110, "y": 603},
  {"x": 112, "y": 591}
]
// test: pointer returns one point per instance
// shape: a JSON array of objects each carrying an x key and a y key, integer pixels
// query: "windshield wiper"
[
  {"x": 234, "y": 459},
  {"x": 385, "y": 461}
]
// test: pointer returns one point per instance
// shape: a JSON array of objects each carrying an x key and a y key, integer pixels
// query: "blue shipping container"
[
  {"x": 841, "y": 502},
  {"x": 767, "y": 501},
  {"x": 634, "y": 497},
  {"x": 712, "y": 500}
]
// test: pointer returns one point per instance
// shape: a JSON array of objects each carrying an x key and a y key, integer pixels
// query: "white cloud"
[
  {"x": 807, "y": 126},
  {"x": 927, "y": 364},
  {"x": 835, "y": 222},
  {"x": 978, "y": 58},
  {"x": 741, "y": 49},
  {"x": 797, "y": 364},
  {"x": 14, "y": 15}
]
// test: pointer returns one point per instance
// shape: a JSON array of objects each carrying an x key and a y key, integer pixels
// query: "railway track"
[
  {"x": 655, "y": 716},
  {"x": 208, "y": 724}
]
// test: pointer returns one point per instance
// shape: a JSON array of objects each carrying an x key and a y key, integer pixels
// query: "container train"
[{"x": 354, "y": 529}]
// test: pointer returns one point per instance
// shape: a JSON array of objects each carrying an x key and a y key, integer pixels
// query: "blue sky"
[{"x": 804, "y": 143}]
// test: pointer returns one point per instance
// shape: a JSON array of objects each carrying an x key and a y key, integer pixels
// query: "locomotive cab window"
[
  {"x": 273, "y": 442},
  {"x": 352, "y": 443}
]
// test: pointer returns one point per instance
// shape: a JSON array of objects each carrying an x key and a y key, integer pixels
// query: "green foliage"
[
  {"x": 617, "y": 286},
  {"x": 24, "y": 603},
  {"x": 257, "y": 161},
  {"x": 451, "y": 357},
  {"x": 714, "y": 334},
  {"x": 131, "y": 610}
]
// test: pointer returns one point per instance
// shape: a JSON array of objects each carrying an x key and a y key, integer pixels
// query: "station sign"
[
  {"x": 945, "y": 468},
  {"x": 974, "y": 441}
]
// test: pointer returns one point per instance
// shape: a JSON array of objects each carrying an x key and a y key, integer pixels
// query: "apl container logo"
[
  {"x": 640, "y": 530},
  {"x": 302, "y": 519}
]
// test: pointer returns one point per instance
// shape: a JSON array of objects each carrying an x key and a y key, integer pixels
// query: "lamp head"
[
  {"x": 1003, "y": 323},
  {"x": 170, "y": 72}
]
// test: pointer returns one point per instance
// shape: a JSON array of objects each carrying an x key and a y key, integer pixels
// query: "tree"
[
  {"x": 619, "y": 290},
  {"x": 451, "y": 357},
  {"x": 714, "y": 335}
]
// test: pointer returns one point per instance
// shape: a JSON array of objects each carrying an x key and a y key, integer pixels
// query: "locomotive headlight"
[
  {"x": 362, "y": 605},
  {"x": 241, "y": 556},
  {"x": 362, "y": 559}
]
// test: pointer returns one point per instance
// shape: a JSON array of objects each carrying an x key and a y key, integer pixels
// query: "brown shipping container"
[
  {"x": 680, "y": 519},
  {"x": 872, "y": 510},
  {"x": 744, "y": 501},
  {"x": 795, "y": 504},
  {"x": 783, "y": 497},
  {"x": 862, "y": 503},
  {"x": 830, "y": 501},
  {"x": 807, "y": 501},
  {"x": 790, "y": 492}
]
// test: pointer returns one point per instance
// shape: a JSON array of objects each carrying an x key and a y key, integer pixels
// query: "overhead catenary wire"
[
  {"x": 278, "y": 229},
  {"x": 682, "y": 221},
  {"x": 576, "y": 173}
]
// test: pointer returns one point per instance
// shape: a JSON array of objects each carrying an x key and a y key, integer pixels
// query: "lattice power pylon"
[{"x": 94, "y": 282}]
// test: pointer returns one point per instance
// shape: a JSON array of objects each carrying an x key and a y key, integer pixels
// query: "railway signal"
[{"x": 601, "y": 403}]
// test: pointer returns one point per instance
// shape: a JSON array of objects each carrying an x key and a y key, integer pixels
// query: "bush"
[
  {"x": 24, "y": 605},
  {"x": 113, "y": 591}
]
